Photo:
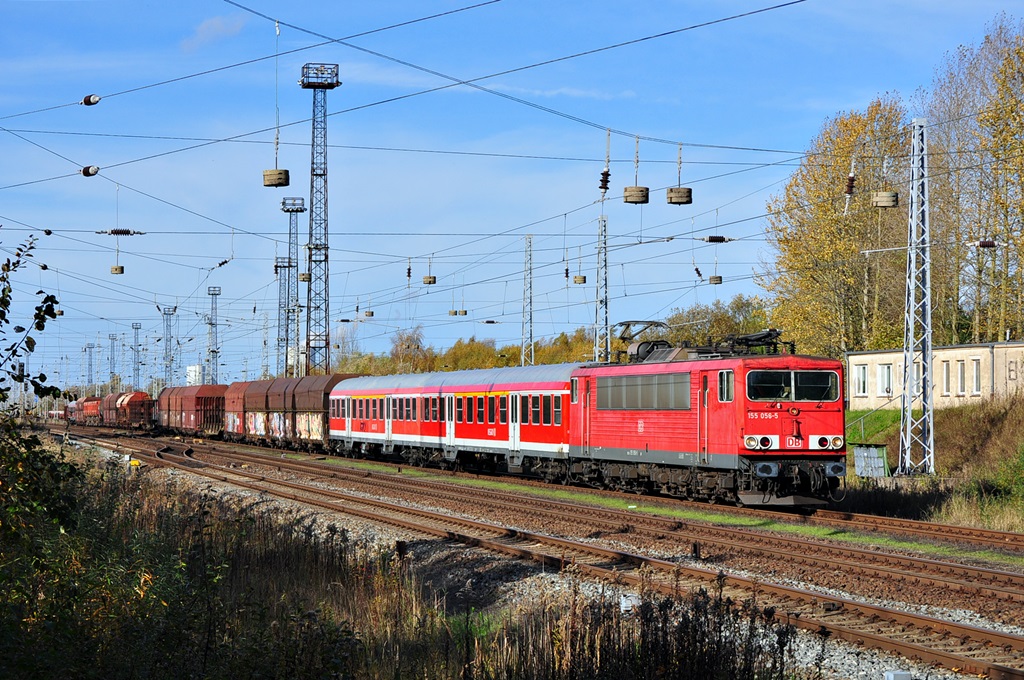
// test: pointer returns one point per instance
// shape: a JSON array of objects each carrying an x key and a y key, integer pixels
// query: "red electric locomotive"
[{"x": 737, "y": 422}]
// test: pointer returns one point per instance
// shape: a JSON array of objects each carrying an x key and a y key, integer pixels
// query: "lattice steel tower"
[
  {"x": 112, "y": 337},
  {"x": 917, "y": 438},
  {"x": 293, "y": 207},
  {"x": 168, "y": 349},
  {"x": 526, "y": 353},
  {"x": 320, "y": 78},
  {"x": 136, "y": 385},
  {"x": 213, "y": 350},
  {"x": 88, "y": 358}
]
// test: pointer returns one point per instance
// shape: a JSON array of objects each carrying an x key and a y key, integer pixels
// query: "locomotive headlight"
[
  {"x": 765, "y": 442},
  {"x": 766, "y": 469},
  {"x": 835, "y": 470},
  {"x": 822, "y": 442},
  {"x": 837, "y": 442},
  {"x": 750, "y": 441}
]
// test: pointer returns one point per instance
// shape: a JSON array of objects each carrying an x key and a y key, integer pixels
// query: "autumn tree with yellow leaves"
[{"x": 835, "y": 284}]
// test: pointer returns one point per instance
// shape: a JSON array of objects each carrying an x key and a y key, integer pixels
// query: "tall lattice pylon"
[
  {"x": 214, "y": 345},
  {"x": 526, "y": 352},
  {"x": 168, "y": 345},
  {"x": 320, "y": 78},
  {"x": 917, "y": 437},
  {"x": 136, "y": 364},
  {"x": 293, "y": 207}
]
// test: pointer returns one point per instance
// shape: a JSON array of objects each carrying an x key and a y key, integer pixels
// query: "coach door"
[
  {"x": 449, "y": 422},
  {"x": 514, "y": 419},
  {"x": 703, "y": 419},
  {"x": 386, "y": 404}
]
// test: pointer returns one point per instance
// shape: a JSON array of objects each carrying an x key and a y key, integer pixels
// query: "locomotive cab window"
[{"x": 793, "y": 386}]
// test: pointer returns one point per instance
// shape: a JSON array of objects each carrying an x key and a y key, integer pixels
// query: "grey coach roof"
[{"x": 482, "y": 376}]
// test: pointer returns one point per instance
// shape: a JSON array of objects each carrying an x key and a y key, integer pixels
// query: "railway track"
[{"x": 972, "y": 649}]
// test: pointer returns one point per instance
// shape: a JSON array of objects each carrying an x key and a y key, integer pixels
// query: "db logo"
[
  {"x": 792, "y": 442},
  {"x": 640, "y": 426}
]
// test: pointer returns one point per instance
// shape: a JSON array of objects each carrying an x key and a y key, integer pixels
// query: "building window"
[
  {"x": 726, "y": 386},
  {"x": 976, "y": 370},
  {"x": 945, "y": 378},
  {"x": 885, "y": 380},
  {"x": 1011, "y": 370},
  {"x": 860, "y": 380},
  {"x": 961, "y": 377}
]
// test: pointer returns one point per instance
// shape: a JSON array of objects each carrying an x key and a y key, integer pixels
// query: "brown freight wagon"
[
  {"x": 108, "y": 409},
  {"x": 202, "y": 409},
  {"x": 135, "y": 410},
  {"x": 312, "y": 397},
  {"x": 255, "y": 402},
  {"x": 234, "y": 411}
]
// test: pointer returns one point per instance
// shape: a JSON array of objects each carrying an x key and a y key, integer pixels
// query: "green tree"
[{"x": 35, "y": 486}]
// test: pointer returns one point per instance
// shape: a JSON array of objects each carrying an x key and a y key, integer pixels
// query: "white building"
[
  {"x": 961, "y": 374},
  {"x": 195, "y": 375}
]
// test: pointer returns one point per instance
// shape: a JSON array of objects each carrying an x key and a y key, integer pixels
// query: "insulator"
[
  {"x": 43, "y": 267},
  {"x": 986, "y": 243},
  {"x": 90, "y": 170},
  {"x": 605, "y": 175},
  {"x": 408, "y": 272},
  {"x": 91, "y": 99},
  {"x": 47, "y": 231},
  {"x": 224, "y": 262},
  {"x": 566, "y": 272},
  {"x": 699, "y": 275},
  {"x": 716, "y": 239},
  {"x": 120, "y": 232},
  {"x": 849, "y": 184}
]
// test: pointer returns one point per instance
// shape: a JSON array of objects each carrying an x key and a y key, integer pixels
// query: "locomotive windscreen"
[{"x": 792, "y": 386}]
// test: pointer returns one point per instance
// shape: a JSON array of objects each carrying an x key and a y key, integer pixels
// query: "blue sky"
[{"x": 448, "y": 182}]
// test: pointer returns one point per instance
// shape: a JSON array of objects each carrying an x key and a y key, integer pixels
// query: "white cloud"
[{"x": 212, "y": 30}]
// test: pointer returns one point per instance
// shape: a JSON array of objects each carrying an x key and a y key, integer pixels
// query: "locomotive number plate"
[{"x": 762, "y": 415}]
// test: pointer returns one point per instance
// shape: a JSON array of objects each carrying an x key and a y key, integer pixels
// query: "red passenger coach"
[{"x": 488, "y": 415}]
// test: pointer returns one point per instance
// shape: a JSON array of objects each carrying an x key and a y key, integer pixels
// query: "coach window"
[
  {"x": 535, "y": 404},
  {"x": 458, "y": 409},
  {"x": 413, "y": 416},
  {"x": 434, "y": 409},
  {"x": 373, "y": 409},
  {"x": 558, "y": 409},
  {"x": 480, "y": 406},
  {"x": 470, "y": 402},
  {"x": 524, "y": 410},
  {"x": 547, "y": 409},
  {"x": 503, "y": 409},
  {"x": 491, "y": 408},
  {"x": 725, "y": 385}
]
